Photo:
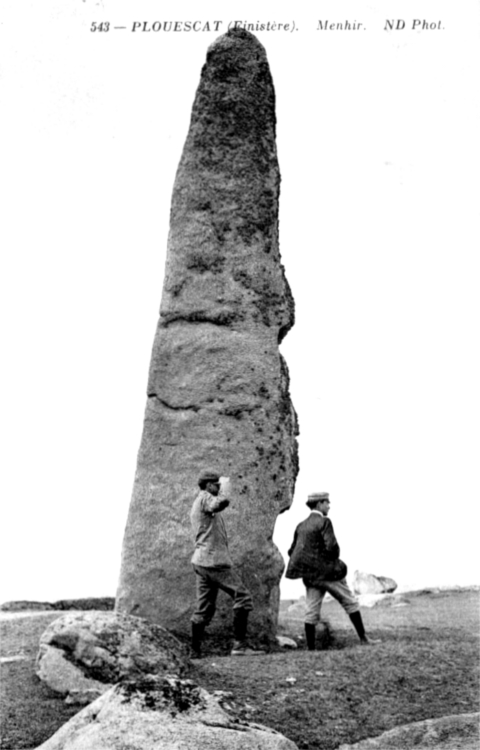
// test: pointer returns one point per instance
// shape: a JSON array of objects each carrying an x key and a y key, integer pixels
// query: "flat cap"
[
  {"x": 317, "y": 497},
  {"x": 208, "y": 476}
]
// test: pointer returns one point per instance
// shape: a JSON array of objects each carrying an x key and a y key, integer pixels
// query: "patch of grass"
[
  {"x": 30, "y": 712},
  {"x": 21, "y": 635},
  {"x": 351, "y": 693},
  {"x": 426, "y": 666}
]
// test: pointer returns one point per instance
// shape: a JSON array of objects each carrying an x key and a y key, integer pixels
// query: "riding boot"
[
  {"x": 240, "y": 622},
  {"x": 240, "y": 648},
  {"x": 197, "y": 635},
  {"x": 357, "y": 622},
  {"x": 310, "y": 635}
]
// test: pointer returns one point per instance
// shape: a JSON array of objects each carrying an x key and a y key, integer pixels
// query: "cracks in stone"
[
  {"x": 229, "y": 411},
  {"x": 95, "y": 714},
  {"x": 222, "y": 318},
  {"x": 188, "y": 407},
  {"x": 234, "y": 727},
  {"x": 176, "y": 287},
  {"x": 201, "y": 262}
]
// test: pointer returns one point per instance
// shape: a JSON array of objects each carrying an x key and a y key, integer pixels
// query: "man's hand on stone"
[{"x": 225, "y": 488}]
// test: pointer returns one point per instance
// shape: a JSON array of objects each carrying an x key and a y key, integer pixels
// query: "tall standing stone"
[{"x": 218, "y": 395}]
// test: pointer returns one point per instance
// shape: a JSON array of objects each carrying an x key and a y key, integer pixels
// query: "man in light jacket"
[
  {"x": 213, "y": 565},
  {"x": 315, "y": 557}
]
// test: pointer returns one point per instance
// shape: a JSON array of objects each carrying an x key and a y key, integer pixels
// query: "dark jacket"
[{"x": 314, "y": 544}]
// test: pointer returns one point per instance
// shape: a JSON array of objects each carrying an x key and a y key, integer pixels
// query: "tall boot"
[
  {"x": 197, "y": 635},
  {"x": 310, "y": 635},
  {"x": 240, "y": 622},
  {"x": 357, "y": 622},
  {"x": 240, "y": 648}
]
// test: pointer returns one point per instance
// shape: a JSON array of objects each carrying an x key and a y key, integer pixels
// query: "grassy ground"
[{"x": 426, "y": 666}]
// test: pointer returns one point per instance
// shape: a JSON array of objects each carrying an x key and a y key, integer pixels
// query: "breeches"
[
  {"x": 209, "y": 582},
  {"x": 338, "y": 589}
]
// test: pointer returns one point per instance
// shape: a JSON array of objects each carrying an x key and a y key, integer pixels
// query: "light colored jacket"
[{"x": 211, "y": 542}]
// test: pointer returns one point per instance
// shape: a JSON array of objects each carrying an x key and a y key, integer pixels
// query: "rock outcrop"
[
  {"x": 218, "y": 388},
  {"x": 458, "y": 732},
  {"x": 367, "y": 583},
  {"x": 83, "y": 655},
  {"x": 166, "y": 713},
  {"x": 389, "y": 585}
]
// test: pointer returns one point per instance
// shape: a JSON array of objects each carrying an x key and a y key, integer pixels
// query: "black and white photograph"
[{"x": 240, "y": 402}]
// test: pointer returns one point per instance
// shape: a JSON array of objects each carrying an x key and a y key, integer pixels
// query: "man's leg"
[
  {"x": 357, "y": 623},
  {"x": 345, "y": 597},
  {"x": 314, "y": 598},
  {"x": 198, "y": 629},
  {"x": 242, "y": 606},
  {"x": 229, "y": 581},
  {"x": 207, "y": 592},
  {"x": 240, "y": 624}
]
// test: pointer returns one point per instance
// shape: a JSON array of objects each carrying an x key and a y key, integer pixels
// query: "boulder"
[
  {"x": 167, "y": 713},
  {"x": 389, "y": 585},
  {"x": 218, "y": 388},
  {"x": 459, "y": 732},
  {"x": 367, "y": 583},
  {"x": 82, "y": 655}
]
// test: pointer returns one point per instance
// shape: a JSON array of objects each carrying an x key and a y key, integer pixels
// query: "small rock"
[
  {"x": 17, "y": 657},
  {"x": 286, "y": 642}
]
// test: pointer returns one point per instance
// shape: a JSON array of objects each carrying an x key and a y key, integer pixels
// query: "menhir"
[{"x": 218, "y": 395}]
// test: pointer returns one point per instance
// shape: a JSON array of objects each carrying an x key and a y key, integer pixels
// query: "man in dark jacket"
[{"x": 315, "y": 557}]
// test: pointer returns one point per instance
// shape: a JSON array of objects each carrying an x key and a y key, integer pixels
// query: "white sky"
[{"x": 379, "y": 154}]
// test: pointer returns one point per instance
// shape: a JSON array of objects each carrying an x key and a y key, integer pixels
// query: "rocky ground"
[{"x": 426, "y": 667}]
